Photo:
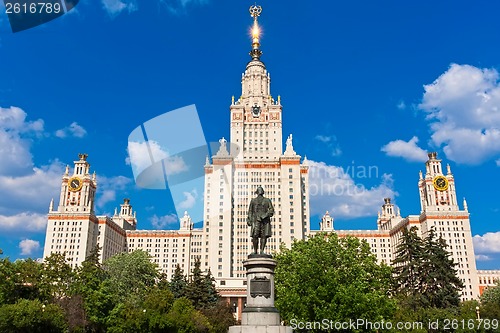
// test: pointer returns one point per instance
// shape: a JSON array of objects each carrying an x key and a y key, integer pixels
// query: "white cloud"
[
  {"x": 463, "y": 107},
  {"x": 482, "y": 257},
  {"x": 487, "y": 243},
  {"x": 498, "y": 162},
  {"x": 115, "y": 7},
  {"x": 22, "y": 193},
  {"x": 410, "y": 151},
  {"x": 401, "y": 105},
  {"x": 189, "y": 199},
  {"x": 160, "y": 222},
  {"x": 331, "y": 143},
  {"x": 324, "y": 138},
  {"x": 336, "y": 189},
  {"x": 15, "y": 135},
  {"x": 142, "y": 155},
  {"x": 179, "y": 6},
  {"x": 28, "y": 246},
  {"x": 18, "y": 223},
  {"x": 73, "y": 130},
  {"x": 108, "y": 187}
]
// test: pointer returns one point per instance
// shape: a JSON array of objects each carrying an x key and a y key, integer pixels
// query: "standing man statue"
[{"x": 259, "y": 218}]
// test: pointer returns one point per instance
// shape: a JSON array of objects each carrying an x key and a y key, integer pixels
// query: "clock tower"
[
  {"x": 78, "y": 190},
  {"x": 437, "y": 189},
  {"x": 441, "y": 213}
]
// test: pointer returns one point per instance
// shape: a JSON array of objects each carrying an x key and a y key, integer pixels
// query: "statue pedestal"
[{"x": 260, "y": 315}]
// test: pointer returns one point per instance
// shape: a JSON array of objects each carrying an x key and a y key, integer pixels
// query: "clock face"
[
  {"x": 75, "y": 184},
  {"x": 440, "y": 183},
  {"x": 255, "y": 110}
]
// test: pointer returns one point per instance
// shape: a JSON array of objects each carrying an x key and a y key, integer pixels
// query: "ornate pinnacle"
[{"x": 255, "y": 12}]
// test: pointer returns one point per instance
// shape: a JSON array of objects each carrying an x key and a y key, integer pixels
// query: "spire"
[
  {"x": 255, "y": 12},
  {"x": 51, "y": 206},
  {"x": 466, "y": 208}
]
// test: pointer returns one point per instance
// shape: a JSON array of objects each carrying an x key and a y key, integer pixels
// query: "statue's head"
[{"x": 259, "y": 191}]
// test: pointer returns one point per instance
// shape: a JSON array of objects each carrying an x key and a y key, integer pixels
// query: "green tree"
[
  {"x": 220, "y": 316},
  {"x": 440, "y": 284},
  {"x": 157, "y": 304},
  {"x": 490, "y": 302},
  {"x": 196, "y": 290},
  {"x": 57, "y": 276},
  {"x": 31, "y": 316},
  {"x": 334, "y": 278},
  {"x": 212, "y": 294},
  {"x": 7, "y": 281},
  {"x": 28, "y": 278},
  {"x": 186, "y": 319},
  {"x": 89, "y": 284},
  {"x": 201, "y": 288},
  {"x": 178, "y": 283},
  {"x": 407, "y": 266},
  {"x": 129, "y": 276}
]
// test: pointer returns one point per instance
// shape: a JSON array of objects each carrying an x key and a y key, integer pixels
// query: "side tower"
[
  {"x": 440, "y": 211},
  {"x": 72, "y": 228}
]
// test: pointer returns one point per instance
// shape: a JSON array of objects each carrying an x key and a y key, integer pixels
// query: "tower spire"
[{"x": 255, "y": 12}]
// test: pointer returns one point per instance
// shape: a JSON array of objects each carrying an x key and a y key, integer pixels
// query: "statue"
[{"x": 259, "y": 218}]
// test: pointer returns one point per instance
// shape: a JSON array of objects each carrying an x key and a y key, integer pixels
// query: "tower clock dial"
[
  {"x": 75, "y": 184},
  {"x": 440, "y": 183}
]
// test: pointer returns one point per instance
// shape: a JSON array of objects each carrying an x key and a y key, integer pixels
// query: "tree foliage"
[
  {"x": 123, "y": 295},
  {"x": 201, "y": 288},
  {"x": 331, "y": 277},
  {"x": 178, "y": 283},
  {"x": 424, "y": 272},
  {"x": 490, "y": 302},
  {"x": 129, "y": 275},
  {"x": 31, "y": 316}
]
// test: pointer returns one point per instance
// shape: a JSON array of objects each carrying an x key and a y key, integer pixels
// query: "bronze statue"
[{"x": 259, "y": 218}]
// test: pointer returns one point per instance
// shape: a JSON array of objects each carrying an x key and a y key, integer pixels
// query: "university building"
[{"x": 253, "y": 156}]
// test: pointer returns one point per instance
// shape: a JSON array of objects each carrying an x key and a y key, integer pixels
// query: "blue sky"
[{"x": 365, "y": 85}]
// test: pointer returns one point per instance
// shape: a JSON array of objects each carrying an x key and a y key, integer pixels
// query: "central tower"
[
  {"x": 256, "y": 131},
  {"x": 253, "y": 157}
]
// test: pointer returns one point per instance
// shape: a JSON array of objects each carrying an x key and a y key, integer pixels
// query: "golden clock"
[
  {"x": 440, "y": 183},
  {"x": 75, "y": 184}
]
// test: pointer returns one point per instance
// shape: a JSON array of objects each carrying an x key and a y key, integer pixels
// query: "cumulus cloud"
[
  {"x": 487, "y": 243},
  {"x": 482, "y": 257},
  {"x": 161, "y": 222},
  {"x": 28, "y": 246},
  {"x": 180, "y": 6},
  {"x": 463, "y": 108},
  {"x": 143, "y": 154},
  {"x": 108, "y": 187},
  {"x": 330, "y": 141},
  {"x": 22, "y": 193},
  {"x": 73, "y": 130},
  {"x": 401, "y": 105},
  {"x": 32, "y": 222},
  {"x": 189, "y": 199},
  {"x": 410, "y": 151},
  {"x": 336, "y": 189},
  {"x": 15, "y": 141},
  {"x": 22, "y": 208},
  {"x": 115, "y": 7}
]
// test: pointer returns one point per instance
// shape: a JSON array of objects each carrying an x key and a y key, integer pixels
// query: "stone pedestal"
[{"x": 260, "y": 315}]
